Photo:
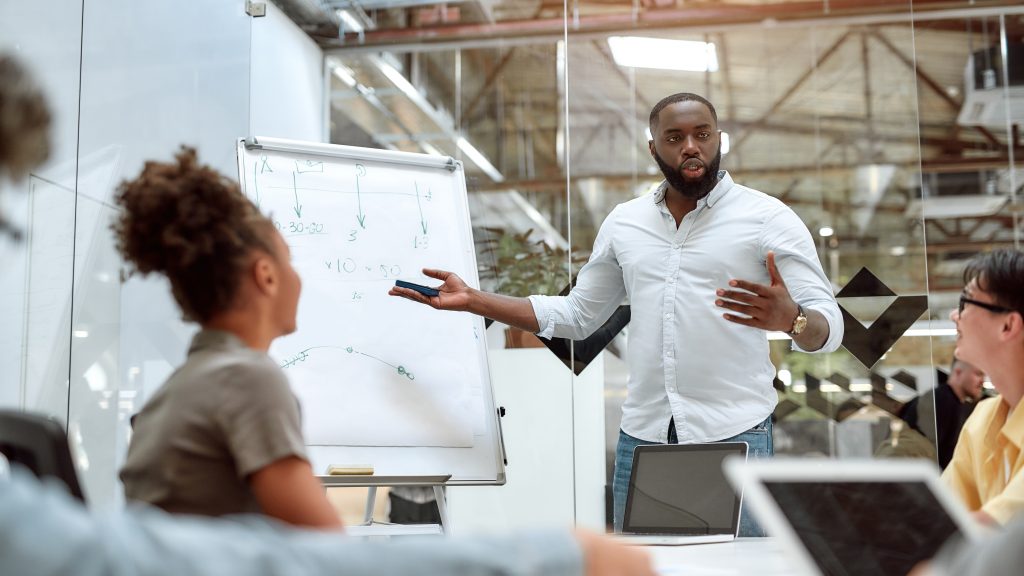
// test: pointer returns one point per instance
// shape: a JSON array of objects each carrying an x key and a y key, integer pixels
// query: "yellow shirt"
[{"x": 986, "y": 470}]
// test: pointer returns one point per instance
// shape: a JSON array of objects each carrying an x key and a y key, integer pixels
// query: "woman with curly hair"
[{"x": 223, "y": 434}]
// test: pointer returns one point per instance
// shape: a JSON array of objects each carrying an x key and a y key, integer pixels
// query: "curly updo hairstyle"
[{"x": 188, "y": 222}]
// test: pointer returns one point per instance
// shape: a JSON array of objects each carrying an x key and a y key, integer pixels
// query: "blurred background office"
[{"x": 891, "y": 127}]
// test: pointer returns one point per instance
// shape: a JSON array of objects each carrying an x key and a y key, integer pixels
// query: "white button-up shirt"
[{"x": 685, "y": 360}]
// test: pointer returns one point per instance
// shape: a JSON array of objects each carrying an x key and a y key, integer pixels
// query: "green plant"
[{"x": 517, "y": 265}]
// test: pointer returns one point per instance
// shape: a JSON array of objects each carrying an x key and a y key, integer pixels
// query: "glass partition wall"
[
  {"x": 863, "y": 126},
  {"x": 853, "y": 120}
]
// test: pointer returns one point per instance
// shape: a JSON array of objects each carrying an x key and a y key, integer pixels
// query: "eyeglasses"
[{"x": 990, "y": 307}]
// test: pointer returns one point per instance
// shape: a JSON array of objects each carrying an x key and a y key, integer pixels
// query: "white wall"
[
  {"x": 555, "y": 475},
  {"x": 288, "y": 93}
]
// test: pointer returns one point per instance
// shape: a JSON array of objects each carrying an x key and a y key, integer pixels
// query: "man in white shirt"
[{"x": 708, "y": 267}]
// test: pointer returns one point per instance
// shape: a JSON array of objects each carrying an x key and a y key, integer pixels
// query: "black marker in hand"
[{"x": 425, "y": 290}]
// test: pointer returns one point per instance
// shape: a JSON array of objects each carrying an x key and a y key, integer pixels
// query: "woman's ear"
[{"x": 264, "y": 274}]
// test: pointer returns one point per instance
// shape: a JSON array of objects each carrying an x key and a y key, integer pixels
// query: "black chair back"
[{"x": 39, "y": 444}]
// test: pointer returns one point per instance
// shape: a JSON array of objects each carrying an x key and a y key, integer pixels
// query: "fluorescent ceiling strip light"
[
  {"x": 349, "y": 21},
  {"x": 479, "y": 159},
  {"x": 430, "y": 148},
  {"x": 664, "y": 53},
  {"x": 344, "y": 73},
  {"x": 400, "y": 81}
]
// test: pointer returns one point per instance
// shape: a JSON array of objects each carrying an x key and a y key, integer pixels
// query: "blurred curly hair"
[
  {"x": 24, "y": 120},
  {"x": 24, "y": 127},
  {"x": 188, "y": 222}
]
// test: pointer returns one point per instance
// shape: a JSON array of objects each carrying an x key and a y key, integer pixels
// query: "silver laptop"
[
  {"x": 678, "y": 494},
  {"x": 853, "y": 517}
]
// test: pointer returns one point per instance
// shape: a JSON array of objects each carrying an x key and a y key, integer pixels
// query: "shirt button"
[
  {"x": 669, "y": 353},
  {"x": 678, "y": 246},
  {"x": 673, "y": 390}
]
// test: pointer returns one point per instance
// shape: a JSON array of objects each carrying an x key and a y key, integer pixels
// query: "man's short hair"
[
  {"x": 680, "y": 97},
  {"x": 1001, "y": 274}
]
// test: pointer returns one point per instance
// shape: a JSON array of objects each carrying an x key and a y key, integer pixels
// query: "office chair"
[{"x": 39, "y": 444}]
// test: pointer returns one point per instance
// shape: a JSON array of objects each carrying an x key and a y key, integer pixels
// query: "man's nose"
[
  {"x": 954, "y": 315},
  {"x": 690, "y": 147}
]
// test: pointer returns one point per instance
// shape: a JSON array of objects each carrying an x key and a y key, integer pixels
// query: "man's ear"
[
  {"x": 1013, "y": 326},
  {"x": 264, "y": 274},
  {"x": 650, "y": 146}
]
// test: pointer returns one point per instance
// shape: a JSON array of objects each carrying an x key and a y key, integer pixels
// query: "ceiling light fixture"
[
  {"x": 479, "y": 159},
  {"x": 664, "y": 54},
  {"x": 349, "y": 21}
]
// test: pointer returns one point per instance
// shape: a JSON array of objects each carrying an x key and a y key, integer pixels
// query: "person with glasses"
[{"x": 987, "y": 469}]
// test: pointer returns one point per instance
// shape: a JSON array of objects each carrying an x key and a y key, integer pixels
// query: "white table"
[{"x": 741, "y": 557}]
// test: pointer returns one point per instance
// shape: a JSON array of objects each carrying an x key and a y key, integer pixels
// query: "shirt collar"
[
  {"x": 725, "y": 184},
  {"x": 215, "y": 339},
  {"x": 1013, "y": 429}
]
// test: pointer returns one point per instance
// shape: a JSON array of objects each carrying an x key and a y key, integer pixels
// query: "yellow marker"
[{"x": 350, "y": 470}]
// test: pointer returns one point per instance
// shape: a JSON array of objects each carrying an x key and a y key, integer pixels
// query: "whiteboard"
[{"x": 382, "y": 381}]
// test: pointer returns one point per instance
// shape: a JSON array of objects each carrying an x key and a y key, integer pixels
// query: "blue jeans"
[{"x": 759, "y": 442}]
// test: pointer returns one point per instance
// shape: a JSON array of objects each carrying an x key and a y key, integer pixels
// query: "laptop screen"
[
  {"x": 865, "y": 527},
  {"x": 681, "y": 489}
]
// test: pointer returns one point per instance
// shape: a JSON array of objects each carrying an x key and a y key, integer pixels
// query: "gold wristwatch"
[{"x": 800, "y": 322}]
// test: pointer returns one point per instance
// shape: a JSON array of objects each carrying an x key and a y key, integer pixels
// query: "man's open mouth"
[{"x": 692, "y": 168}]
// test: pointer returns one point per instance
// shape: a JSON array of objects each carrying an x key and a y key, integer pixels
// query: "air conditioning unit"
[{"x": 985, "y": 96}]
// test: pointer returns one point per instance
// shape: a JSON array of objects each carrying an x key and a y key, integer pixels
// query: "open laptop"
[
  {"x": 853, "y": 517},
  {"x": 678, "y": 494}
]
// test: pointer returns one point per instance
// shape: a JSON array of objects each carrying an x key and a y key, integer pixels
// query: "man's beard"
[{"x": 692, "y": 190}]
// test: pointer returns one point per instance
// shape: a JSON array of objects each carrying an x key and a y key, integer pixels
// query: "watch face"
[{"x": 800, "y": 322}]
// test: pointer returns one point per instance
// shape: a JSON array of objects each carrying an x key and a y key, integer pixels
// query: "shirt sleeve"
[
  {"x": 598, "y": 292},
  {"x": 797, "y": 259},
  {"x": 259, "y": 417},
  {"x": 145, "y": 541}
]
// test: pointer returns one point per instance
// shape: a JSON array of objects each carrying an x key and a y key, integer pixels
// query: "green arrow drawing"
[
  {"x": 360, "y": 171},
  {"x": 295, "y": 190},
  {"x": 423, "y": 223}
]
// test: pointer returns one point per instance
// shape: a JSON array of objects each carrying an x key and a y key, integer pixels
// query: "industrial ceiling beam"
[
  {"x": 753, "y": 126},
  {"x": 930, "y": 83},
  {"x": 703, "y": 18}
]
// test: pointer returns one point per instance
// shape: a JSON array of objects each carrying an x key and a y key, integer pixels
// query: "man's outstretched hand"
[{"x": 453, "y": 294}]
